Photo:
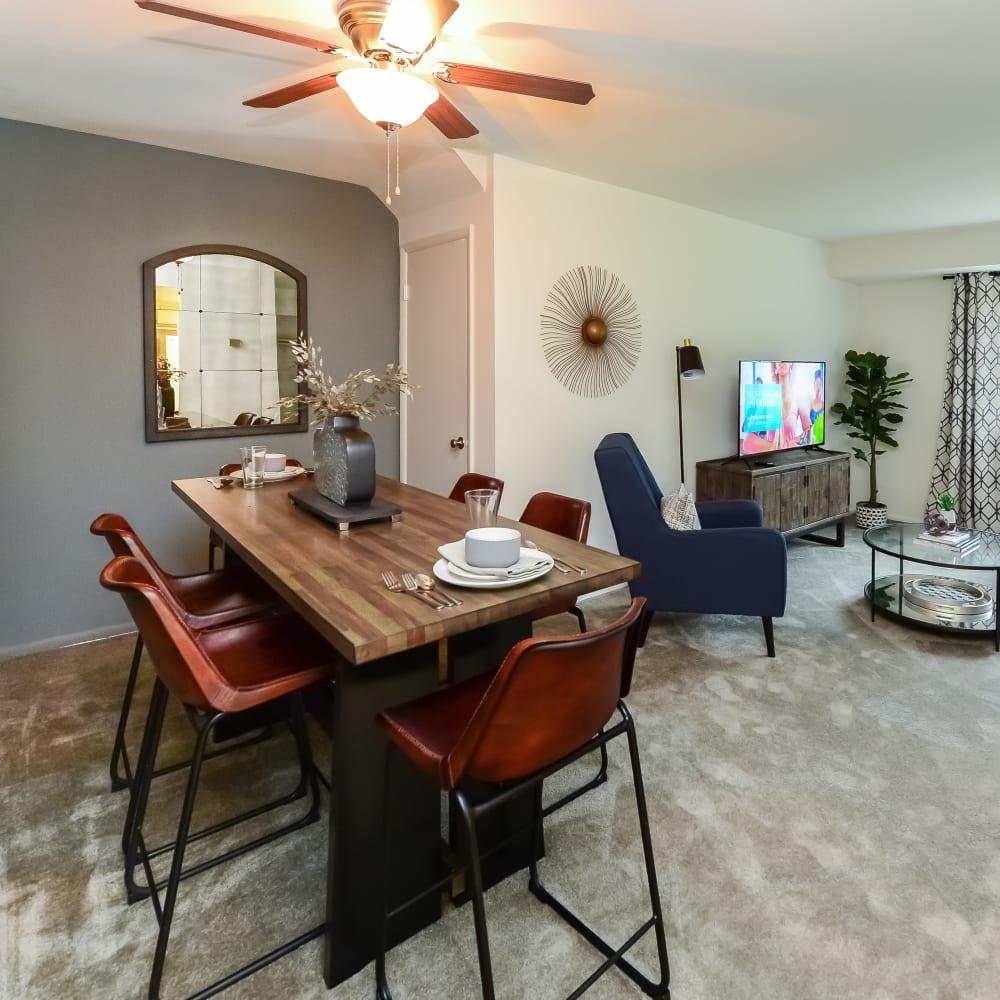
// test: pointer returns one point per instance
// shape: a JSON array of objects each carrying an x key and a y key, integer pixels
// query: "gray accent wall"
[{"x": 78, "y": 215}]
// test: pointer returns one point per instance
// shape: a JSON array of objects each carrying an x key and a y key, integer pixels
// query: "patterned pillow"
[{"x": 679, "y": 511}]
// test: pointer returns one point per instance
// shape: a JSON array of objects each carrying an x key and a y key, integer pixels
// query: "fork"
[{"x": 396, "y": 586}]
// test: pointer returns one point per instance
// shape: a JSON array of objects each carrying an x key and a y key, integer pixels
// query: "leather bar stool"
[
  {"x": 475, "y": 481},
  {"x": 216, "y": 673},
  {"x": 205, "y": 599},
  {"x": 564, "y": 516},
  {"x": 214, "y": 541},
  {"x": 570, "y": 518},
  {"x": 511, "y": 730}
]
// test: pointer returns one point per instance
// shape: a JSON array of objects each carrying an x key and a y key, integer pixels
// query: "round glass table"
[{"x": 936, "y": 599}]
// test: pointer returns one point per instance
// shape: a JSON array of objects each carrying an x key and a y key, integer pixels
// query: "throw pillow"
[{"x": 679, "y": 511}]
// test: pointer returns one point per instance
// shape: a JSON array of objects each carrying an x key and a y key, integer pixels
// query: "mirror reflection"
[{"x": 220, "y": 322}]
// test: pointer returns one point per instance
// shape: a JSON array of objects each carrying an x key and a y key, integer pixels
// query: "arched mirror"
[{"x": 218, "y": 325}]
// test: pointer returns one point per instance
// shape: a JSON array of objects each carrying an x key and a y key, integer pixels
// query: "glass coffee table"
[{"x": 935, "y": 599}]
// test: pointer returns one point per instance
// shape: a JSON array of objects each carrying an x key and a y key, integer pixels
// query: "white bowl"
[
  {"x": 492, "y": 548},
  {"x": 273, "y": 462}
]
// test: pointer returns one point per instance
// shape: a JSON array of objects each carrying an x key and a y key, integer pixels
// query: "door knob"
[{"x": 458, "y": 443}]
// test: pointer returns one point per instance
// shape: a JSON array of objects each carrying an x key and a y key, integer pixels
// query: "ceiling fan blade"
[
  {"x": 448, "y": 120},
  {"x": 295, "y": 92},
  {"x": 411, "y": 26},
  {"x": 254, "y": 29},
  {"x": 548, "y": 87}
]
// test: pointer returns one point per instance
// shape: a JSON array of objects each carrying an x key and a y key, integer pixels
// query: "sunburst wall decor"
[{"x": 591, "y": 334}]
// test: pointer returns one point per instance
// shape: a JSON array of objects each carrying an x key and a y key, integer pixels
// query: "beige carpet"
[{"x": 825, "y": 827}]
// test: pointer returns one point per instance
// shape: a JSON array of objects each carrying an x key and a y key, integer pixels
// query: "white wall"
[
  {"x": 909, "y": 321},
  {"x": 735, "y": 289}
]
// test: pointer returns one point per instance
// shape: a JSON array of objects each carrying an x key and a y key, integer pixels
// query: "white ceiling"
[{"x": 829, "y": 120}]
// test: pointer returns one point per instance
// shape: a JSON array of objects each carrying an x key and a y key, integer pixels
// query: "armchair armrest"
[{"x": 730, "y": 514}]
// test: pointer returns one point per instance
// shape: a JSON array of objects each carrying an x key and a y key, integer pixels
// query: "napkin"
[{"x": 531, "y": 563}]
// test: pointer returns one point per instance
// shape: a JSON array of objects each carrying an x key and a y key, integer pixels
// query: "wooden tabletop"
[{"x": 332, "y": 578}]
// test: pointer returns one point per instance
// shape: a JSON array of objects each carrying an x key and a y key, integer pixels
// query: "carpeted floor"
[{"x": 825, "y": 826}]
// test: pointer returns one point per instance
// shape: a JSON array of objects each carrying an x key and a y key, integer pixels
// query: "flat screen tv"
[{"x": 782, "y": 405}]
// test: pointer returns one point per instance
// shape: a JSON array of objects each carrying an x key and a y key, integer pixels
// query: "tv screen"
[{"x": 782, "y": 405}]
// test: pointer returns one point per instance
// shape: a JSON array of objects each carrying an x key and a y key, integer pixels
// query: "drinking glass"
[
  {"x": 253, "y": 465},
  {"x": 481, "y": 506}
]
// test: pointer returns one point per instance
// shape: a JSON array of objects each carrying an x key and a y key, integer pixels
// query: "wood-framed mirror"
[{"x": 218, "y": 325}]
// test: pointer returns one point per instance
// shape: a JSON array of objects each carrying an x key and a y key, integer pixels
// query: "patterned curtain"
[{"x": 967, "y": 463}]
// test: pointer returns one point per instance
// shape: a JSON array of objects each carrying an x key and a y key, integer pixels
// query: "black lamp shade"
[{"x": 689, "y": 362}]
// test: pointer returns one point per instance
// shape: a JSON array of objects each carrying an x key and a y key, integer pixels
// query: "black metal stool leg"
[
  {"x": 467, "y": 813},
  {"x": 183, "y": 827},
  {"x": 119, "y": 751},
  {"x": 131, "y": 834},
  {"x": 597, "y": 779},
  {"x": 647, "y": 852}
]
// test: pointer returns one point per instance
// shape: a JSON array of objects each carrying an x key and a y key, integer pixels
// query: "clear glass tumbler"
[
  {"x": 253, "y": 465},
  {"x": 481, "y": 506}
]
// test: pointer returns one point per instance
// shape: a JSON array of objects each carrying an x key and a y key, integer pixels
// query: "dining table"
[{"x": 387, "y": 648}]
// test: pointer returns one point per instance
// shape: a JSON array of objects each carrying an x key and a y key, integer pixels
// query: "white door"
[{"x": 435, "y": 352}]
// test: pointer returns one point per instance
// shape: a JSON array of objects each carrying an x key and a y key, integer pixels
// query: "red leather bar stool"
[
  {"x": 475, "y": 481},
  {"x": 570, "y": 518},
  {"x": 205, "y": 599},
  {"x": 564, "y": 516},
  {"x": 216, "y": 673},
  {"x": 511, "y": 730}
]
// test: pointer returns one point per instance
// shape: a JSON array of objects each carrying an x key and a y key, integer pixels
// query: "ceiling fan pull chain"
[
  {"x": 397, "y": 159},
  {"x": 388, "y": 199}
]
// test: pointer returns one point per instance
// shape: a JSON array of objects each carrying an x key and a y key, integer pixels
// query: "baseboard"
[
  {"x": 583, "y": 598},
  {"x": 59, "y": 641}
]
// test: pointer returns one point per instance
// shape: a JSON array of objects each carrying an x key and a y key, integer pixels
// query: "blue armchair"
[{"x": 732, "y": 566}]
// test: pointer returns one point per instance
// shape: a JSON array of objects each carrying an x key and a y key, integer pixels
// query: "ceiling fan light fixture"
[{"x": 387, "y": 94}]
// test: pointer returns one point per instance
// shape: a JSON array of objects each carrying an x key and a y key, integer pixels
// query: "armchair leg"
[{"x": 769, "y": 633}]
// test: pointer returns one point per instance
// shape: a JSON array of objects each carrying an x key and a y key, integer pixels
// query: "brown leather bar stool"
[
  {"x": 475, "y": 481},
  {"x": 511, "y": 730},
  {"x": 244, "y": 419},
  {"x": 214, "y": 541},
  {"x": 564, "y": 516},
  {"x": 216, "y": 673},
  {"x": 205, "y": 599},
  {"x": 570, "y": 518}
]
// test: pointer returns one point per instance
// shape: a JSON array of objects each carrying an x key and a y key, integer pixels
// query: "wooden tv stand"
[{"x": 801, "y": 491}]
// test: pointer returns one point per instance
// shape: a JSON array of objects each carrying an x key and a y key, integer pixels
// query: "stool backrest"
[
  {"x": 121, "y": 537},
  {"x": 561, "y": 515},
  {"x": 178, "y": 659},
  {"x": 475, "y": 481},
  {"x": 549, "y": 697}
]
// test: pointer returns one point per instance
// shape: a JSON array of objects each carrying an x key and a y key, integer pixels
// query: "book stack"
[{"x": 958, "y": 542}]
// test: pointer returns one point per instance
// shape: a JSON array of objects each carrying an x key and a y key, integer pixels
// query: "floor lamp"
[{"x": 689, "y": 365}]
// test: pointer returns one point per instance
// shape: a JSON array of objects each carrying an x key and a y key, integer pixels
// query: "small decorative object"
[
  {"x": 343, "y": 453},
  {"x": 946, "y": 511},
  {"x": 591, "y": 333},
  {"x": 873, "y": 415}
]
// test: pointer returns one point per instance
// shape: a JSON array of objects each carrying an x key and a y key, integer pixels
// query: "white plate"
[
  {"x": 290, "y": 472},
  {"x": 442, "y": 570}
]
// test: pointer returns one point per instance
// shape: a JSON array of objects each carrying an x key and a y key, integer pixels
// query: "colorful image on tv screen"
[{"x": 782, "y": 405}]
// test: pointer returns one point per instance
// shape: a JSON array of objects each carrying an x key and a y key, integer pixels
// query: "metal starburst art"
[{"x": 591, "y": 333}]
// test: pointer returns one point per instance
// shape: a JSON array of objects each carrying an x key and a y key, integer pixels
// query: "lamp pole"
[{"x": 689, "y": 365}]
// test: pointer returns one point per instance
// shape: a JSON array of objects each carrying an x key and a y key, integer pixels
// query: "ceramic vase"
[
  {"x": 871, "y": 515},
  {"x": 344, "y": 456}
]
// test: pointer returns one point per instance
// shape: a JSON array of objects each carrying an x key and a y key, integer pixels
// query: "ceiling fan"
[{"x": 392, "y": 36}]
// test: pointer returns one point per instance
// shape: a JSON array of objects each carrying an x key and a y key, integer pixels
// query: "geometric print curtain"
[{"x": 967, "y": 462}]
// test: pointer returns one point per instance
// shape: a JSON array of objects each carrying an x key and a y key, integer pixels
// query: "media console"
[{"x": 800, "y": 491}]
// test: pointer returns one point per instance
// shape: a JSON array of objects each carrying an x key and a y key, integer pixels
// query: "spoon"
[{"x": 424, "y": 582}]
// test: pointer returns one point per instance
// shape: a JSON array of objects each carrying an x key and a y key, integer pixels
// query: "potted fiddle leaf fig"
[{"x": 873, "y": 414}]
